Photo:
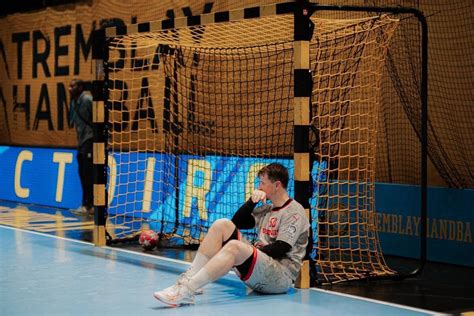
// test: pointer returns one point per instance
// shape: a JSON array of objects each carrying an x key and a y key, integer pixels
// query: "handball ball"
[{"x": 148, "y": 239}]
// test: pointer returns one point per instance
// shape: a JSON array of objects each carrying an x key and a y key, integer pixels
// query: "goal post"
[{"x": 187, "y": 111}]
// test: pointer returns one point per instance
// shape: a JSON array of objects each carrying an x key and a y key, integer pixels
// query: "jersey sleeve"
[
  {"x": 259, "y": 213},
  {"x": 243, "y": 218},
  {"x": 88, "y": 105},
  {"x": 292, "y": 226}
]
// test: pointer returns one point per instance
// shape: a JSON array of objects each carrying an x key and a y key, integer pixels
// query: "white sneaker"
[
  {"x": 184, "y": 279},
  {"x": 175, "y": 295},
  {"x": 83, "y": 211}
]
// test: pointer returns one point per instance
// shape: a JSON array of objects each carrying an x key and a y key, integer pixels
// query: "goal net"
[{"x": 195, "y": 112}]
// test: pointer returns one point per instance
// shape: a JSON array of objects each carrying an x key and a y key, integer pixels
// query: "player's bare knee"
[
  {"x": 221, "y": 222},
  {"x": 238, "y": 250},
  {"x": 224, "y": 225},
  {"x": 233, "y": 246}
]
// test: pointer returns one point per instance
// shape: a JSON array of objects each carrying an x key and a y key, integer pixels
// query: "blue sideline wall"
[{"x": 49, "y": 177}]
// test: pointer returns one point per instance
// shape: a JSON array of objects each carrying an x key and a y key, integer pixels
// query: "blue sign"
[
  {"x": 213, "y": 187},
  {"x": 449, "y": 224},
  {"x": 40, "y": 176}
]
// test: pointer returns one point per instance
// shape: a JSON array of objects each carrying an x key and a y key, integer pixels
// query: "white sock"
[
  {"x": 199, "y": 261},
  {"x": 199, "y": 280}
]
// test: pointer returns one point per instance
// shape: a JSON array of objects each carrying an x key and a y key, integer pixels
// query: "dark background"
[{"x": 10, "y": 7}]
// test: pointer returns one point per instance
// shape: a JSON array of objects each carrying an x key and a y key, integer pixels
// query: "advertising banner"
[{"x": 49, "y": 177}]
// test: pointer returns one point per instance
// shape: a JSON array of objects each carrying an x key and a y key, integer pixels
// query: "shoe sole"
[
  {"x": 82, "y": 214},
  {"x": 164, "y": 300}
]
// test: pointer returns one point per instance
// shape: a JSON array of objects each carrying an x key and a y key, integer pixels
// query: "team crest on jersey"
[
  {"x": 292, "y": 231},
  {"x": 273, "y": 222}
]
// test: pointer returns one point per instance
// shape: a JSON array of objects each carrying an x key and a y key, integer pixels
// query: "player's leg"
[
  {"x": 219, "y": 233},
  {"x": 234, "y": 253},
  {"x": 266, "y": 275},
  {"x": 88, "y": 186},
  {"x": 83, "y": 174},
  {"x": 80, "y": 169}
]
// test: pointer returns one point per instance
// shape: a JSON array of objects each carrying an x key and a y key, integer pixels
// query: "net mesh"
[
  {"x": 195, "y": 112},
  {"x": 347, "y": 68},
  {"x": 450, "y": 137}
]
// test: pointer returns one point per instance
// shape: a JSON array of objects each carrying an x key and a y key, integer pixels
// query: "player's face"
[
  {"x": 74, "y": 89},
  {"x": 268, "y": 186}
]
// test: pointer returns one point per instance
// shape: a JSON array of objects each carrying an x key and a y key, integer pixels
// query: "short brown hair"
[
  {"x": 78, "y": 82},
  {"x": 275, "y": 172}
]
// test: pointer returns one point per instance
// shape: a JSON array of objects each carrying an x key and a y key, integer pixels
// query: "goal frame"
[{"x": 303, "y": 29}]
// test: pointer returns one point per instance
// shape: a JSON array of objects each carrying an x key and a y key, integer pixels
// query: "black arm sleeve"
[
  {"x": 276, "y": 250},
  {"x": 243, "y": 218}
]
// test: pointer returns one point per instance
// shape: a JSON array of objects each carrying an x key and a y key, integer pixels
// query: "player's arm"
[
  {"x": 88, "y": 105},
  {"x": 243, "y": 218},
  {"x": 277, "y": 249},
  {"x": 290, "y": 229}
]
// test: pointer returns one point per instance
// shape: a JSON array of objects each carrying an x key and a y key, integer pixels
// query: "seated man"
[{"x": 269, "y": 266}]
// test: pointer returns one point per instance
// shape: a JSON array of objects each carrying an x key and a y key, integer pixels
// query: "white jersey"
[{"x": 287, "y": 223}]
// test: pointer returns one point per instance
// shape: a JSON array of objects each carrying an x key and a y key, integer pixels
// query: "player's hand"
[{"x": 258, "y": 196}]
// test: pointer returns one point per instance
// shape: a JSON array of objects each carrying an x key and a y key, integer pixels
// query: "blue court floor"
[{"x": 42, "y": 274}]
